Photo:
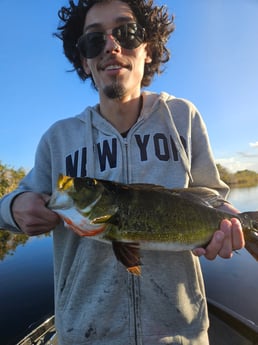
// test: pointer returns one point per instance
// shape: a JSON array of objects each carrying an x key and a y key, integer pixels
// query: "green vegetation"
[
  {"x": 9, "y": 179},
  {"x": 242, "y": 178}
]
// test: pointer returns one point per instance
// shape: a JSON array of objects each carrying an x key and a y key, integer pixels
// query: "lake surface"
[
  {"x": 26, "y": 289},
  {"x": 26, "y": 280},
  {"x": 234, "y": 282}
]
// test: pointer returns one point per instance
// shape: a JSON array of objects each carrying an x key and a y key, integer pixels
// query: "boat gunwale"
[{"x": 243, "y": 326}]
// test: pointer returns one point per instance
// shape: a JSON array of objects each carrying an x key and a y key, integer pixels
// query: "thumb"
[{"x": 46, "y": 198}]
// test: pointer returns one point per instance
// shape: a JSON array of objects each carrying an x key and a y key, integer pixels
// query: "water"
[
  {"x": 234, "y": 282},
  {"x": 244, "y": 199},
  {"x": 26, "y": 288},
  {"x": 26, "y": 280}
]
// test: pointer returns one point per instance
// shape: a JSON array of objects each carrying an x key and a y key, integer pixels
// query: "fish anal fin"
[
  {"x": 135, "y": 270},
  {"x": 129, "y": 255}
]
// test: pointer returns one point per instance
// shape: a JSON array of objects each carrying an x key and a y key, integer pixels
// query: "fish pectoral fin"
[
  {"x": 102, "y": 219},
  {"x": 129, "y": 255}
]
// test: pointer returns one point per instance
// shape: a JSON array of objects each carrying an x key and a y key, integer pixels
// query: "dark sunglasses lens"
[
  {"x": 129, "y": 36},
  {"x": 91, "y": 44}
]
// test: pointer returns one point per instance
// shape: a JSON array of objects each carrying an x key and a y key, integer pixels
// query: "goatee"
[{"x": 115, "y": 90}]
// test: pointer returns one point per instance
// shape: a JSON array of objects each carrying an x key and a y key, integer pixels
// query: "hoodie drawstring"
[{"x": 178, "y": 142}]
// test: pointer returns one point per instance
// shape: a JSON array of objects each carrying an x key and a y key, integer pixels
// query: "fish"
[{"x": 135, "y": 217}]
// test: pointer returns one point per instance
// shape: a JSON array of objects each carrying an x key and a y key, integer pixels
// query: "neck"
[{"x": 122, "y": 114}]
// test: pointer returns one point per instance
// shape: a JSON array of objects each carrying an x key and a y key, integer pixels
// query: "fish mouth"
[
  {"x": 59, "y": 201},
  {"x": 84, "y": 232}
]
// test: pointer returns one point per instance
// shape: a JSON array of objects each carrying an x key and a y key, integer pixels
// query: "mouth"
[{"x": 113, "y": 66}]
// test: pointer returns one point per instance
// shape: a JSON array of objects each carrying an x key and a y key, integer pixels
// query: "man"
[{"x": 130, "y": 136}]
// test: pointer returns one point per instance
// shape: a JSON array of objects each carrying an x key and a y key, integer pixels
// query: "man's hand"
[
  {"x": 31, "y": 214},
  {"x": 224, "y": 241}
]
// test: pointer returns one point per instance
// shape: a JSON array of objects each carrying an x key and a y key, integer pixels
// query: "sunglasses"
[{"x": 128, "y": 36}]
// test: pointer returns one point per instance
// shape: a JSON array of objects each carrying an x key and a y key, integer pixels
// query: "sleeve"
[
  {"x": 37, "y": 180},
  {"x": 203, "y": 166},
  {"x": 6, "y": 219}
]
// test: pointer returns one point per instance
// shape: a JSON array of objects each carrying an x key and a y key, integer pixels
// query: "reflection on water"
[
  {"x": 26, "y": 276},
  {"x": 26, "y": 288},
  {"x": 9, "y": 242}
]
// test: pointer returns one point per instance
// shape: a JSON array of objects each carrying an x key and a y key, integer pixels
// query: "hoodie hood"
[{"x": 152, "y": 103}]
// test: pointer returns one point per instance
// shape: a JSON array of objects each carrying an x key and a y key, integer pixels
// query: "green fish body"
[{"x": 143, "y": 216}]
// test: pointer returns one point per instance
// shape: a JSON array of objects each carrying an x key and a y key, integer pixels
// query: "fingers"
[
  {"x": 31, "y": 214},
  {"x": 199, "y": 251},
  {"x": 224, "y": 241},
  {"x": 221, "y": 243},
  {"x": 238, "y": 239}
]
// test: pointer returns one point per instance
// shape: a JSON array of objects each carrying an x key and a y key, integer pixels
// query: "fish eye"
[
  {"x": 82, "y": 182},
  {"x": 91, "y": 182}
]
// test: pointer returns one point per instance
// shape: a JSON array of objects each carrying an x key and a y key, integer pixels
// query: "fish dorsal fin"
[
  {"x": 201, "y": 195},
  {"x": 147, "y": 187},
  {"x": 129, "y": 255}
]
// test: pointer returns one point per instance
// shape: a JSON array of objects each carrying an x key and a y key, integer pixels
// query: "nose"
[{"x": 111, "y": 45}]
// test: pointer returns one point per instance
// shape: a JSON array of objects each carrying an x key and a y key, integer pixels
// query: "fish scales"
[
  {"x": 144, "y": 216},
  {"x": 157, "y": 216}
]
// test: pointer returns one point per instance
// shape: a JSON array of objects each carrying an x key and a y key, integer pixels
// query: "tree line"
[{"x": 241, "y": 178}]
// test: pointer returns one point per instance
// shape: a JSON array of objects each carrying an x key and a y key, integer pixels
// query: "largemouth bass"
[{"x": 143, "y": 216}]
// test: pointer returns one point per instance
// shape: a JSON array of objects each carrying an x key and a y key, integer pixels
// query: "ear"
[
  {"x": 85, "y": 66},
  {"x": 148, "y": 58}
]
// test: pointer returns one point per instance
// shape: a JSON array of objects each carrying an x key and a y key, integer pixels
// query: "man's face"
[{"x": 117, "y": 71}]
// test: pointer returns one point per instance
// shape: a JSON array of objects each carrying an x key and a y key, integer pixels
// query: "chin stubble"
[{"x": 115, "y": 90}]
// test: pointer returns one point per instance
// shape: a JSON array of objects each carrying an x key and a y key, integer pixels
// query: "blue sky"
[{"x": 214, "y": 64}]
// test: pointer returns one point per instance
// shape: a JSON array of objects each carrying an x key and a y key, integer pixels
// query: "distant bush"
[
  {"x": 242, "y": 178},
  {"x": 9, "y": 178}
]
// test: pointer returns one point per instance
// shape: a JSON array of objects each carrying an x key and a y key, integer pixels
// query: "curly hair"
[{"x": 156, "y": 21}]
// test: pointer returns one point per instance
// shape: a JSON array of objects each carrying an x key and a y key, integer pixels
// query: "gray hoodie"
[{"x": 96, "y": 301}]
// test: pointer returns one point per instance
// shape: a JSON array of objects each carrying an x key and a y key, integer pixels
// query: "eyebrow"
[{"x": 119, "y": 20}]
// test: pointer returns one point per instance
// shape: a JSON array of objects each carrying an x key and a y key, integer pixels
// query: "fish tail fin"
[
  {"x": 129, "y": 255},
  {"x": 251, "y": 245},
  {"x": 251, "y": 236}
]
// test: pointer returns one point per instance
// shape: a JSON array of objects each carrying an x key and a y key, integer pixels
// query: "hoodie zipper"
[
  {"x": 134, "y": 281},
  {"x": 126, "y": 160},
  {"x": 136, "y": 305}
]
